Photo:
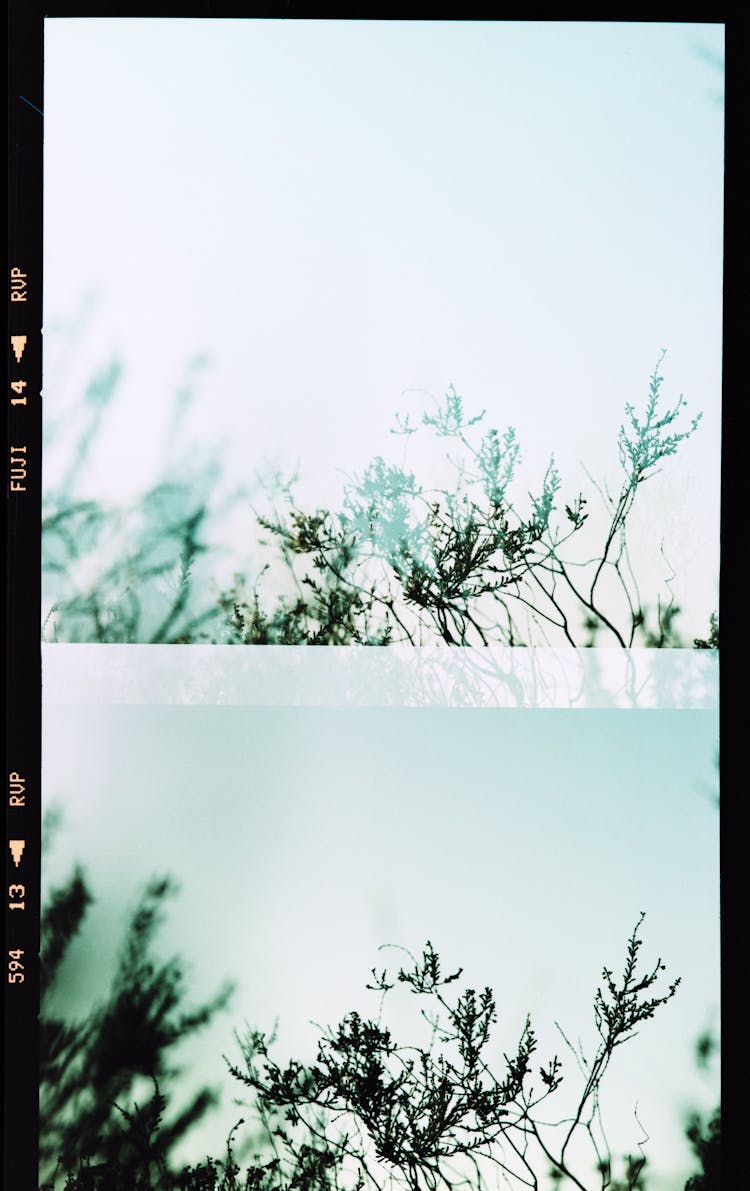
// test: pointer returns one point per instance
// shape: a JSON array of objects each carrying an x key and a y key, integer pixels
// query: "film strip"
[
  {"x": 23, "y": 525},
  {"x": 23, "y": 423}
]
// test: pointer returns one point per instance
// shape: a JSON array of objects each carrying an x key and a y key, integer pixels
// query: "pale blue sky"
[
  {"x": 336, "y": 212},
  {"x": 523, "y": 844}
]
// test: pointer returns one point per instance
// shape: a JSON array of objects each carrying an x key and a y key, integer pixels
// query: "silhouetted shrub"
[{"x": 92, "y": 1132}]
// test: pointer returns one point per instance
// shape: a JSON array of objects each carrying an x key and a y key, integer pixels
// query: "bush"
[
  {"x": 464, "y": 565},
  {"x": 91, "y": 1132},
  {"x": 371, "y": 1110},
  {"x": 399, "y": 562}
]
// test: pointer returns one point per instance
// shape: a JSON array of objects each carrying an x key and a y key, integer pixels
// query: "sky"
[
  {"x": 523, "y": 844},
  {"x": 286, "y": 232}
]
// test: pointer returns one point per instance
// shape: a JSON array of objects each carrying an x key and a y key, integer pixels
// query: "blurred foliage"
[
  {"x": 705, "y": 1138},
  {"x": 92, "y": 1134}
]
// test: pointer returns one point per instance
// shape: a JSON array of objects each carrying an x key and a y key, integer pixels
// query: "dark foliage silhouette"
[
  {"x": 444, "y": 1111},
  {"x": 92, "y": 1130},
  {"x": 445, "y": 1108},
  {"x": 705, "y": 1138}
]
